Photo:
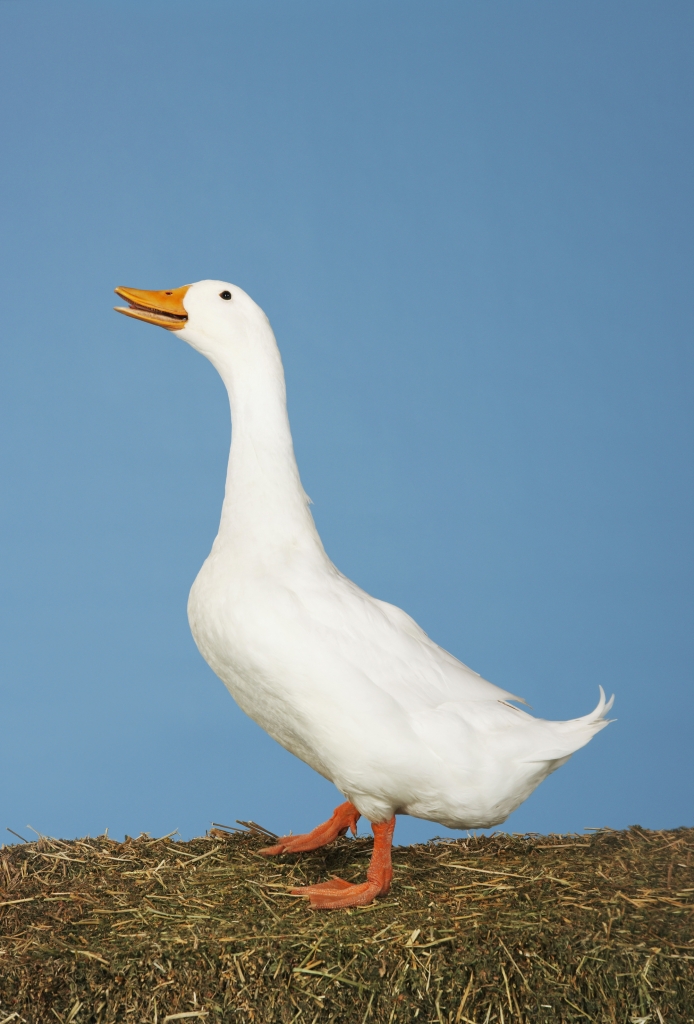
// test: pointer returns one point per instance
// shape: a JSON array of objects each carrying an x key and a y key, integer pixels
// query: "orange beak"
[{"x": 165, "y": 309}]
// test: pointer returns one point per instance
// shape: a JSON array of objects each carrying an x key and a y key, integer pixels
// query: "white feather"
[{"x": 348, "y": 683}]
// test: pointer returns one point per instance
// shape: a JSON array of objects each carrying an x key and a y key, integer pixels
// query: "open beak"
[{"x": 165, "y": 309}]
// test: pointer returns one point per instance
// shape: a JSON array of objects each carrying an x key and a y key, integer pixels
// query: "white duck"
[{"x": 348, "y": 683}]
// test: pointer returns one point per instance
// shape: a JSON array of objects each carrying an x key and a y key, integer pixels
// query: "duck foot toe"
[
  {"x": 344, "y": 817},
  {"x": 337, "y": 893}
]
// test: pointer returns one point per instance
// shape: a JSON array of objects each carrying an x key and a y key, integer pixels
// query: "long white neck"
[{"x": 265, "y": 507}]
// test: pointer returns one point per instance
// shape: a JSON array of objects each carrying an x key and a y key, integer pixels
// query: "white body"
[{"x": 348, "y": 683}]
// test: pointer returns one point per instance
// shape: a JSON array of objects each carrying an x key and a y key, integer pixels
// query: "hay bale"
[{"x": 508, "y": 928}]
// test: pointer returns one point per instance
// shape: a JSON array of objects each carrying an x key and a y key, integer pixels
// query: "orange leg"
[
  {"x": 345, "y": 816},
  {"x": 338, "y": 893}
]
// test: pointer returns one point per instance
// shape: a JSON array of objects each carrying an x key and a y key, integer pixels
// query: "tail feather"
[
  {"x": 570, "y": 736},
  {"x": 597, "y": 716}
]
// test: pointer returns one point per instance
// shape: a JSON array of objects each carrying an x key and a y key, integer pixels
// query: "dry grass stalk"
[{"x": 502, "y": 929}]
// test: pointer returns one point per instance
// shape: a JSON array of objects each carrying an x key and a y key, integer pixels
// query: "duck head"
[{"x": 214, "y": 317}]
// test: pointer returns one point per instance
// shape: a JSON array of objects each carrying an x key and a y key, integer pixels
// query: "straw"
[{"x": 505, "y": 929}]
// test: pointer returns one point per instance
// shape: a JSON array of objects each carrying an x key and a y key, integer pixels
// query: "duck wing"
[{"x": 385, "y": 645}]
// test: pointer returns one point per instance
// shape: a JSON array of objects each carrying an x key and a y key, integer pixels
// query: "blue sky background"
[{"x": 471, "y": 226}]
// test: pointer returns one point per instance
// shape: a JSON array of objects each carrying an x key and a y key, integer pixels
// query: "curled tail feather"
[{"x": 570, "y": 736}]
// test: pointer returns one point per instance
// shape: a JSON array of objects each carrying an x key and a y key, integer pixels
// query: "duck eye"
[{"x": 225, "y": 295}]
